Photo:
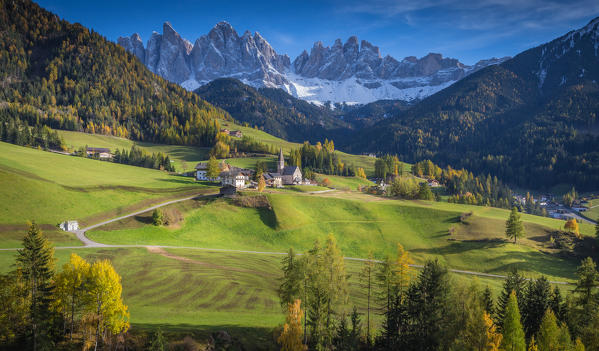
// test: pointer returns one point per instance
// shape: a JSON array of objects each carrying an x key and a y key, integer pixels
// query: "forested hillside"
[
  {"x": 273, "y": 110},
  {"x": 65, "y": 76},
  {"x": 531, "y": 121}
]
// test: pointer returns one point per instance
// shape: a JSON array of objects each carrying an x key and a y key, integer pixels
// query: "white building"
[
  {"x": 202, "y": 171},
  {"x": 69, "y": 226},
  {"x": 234, "y": 178}
]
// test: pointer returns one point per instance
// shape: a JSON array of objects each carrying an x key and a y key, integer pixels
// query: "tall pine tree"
[
  {"x": 36, "y": 262},
  {"x": 513, "y": 334}
]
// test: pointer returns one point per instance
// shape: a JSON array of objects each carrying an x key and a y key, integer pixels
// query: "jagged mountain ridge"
[{"x": 352, "y": 72}]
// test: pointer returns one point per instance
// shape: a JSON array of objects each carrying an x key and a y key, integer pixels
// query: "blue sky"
[{"x": 467, "y": 30}]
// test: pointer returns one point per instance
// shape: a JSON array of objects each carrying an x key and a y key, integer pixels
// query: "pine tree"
[
  {"x": 158, "y": 342},
  {"x": 36, "y": 262},
  {"x": 535, "y": 303},
  {"x": 513, "y": 334},
  {"x": 514, "y": 228},
  {"x": 488, "y": 303},
  {"x": 367, "y": 276},
  {"x": 291, "y": 337},
  {"x": 292, "y": 281}
]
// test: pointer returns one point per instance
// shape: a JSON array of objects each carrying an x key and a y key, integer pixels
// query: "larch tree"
[
  {"x": 36, "y": 263},
  {"x": 336, "y": 277},
  {"x": 513, "y": 334},
  {"x": 514, "y": 228},
  {"x": 549, "y": 332},
  {"x": 403, "y": 269},
  {"x": 572, "y": 226},
  {"x": 111, "y": 314},
  {"x": 532, "y": 345},
  {"x": 291, "y": 337},
  {"x": 261, "y": 184},
  {"x": 493, "y": 336},
  {"x": 70, "y": 289},
  {"x": 213, "y": 168},
  {"x": 513, "y": 283}
]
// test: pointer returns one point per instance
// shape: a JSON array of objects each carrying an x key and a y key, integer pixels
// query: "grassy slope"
[
  {"x": 297, "y": 220},
  {"x": 49, "y": 188},
  {"x": 191, "y": 155},
  {"x": 235, "y": 292}
]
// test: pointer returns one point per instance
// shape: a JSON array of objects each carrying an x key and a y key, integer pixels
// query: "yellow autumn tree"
[
  {"x": 533, "y": 345},
  {"x": 402, "y": 268},
  {"x": 572, "y": 225},
  {"x": 493, "y": 336},
  {"x": 261, "y": 184},
  {"x": 105, "y": 291},
  {"x": 360, "y": 173},
  {"x": 291, "y": 337},
  {"x": 69, "y": 291}
]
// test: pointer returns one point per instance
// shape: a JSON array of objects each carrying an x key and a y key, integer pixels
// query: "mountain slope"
[
  {"x": 66, "y": 76},
  {"x": 531, "y": 120},
  {"x": 354, "y": 72},
  {"x": 272, "y": 110}
]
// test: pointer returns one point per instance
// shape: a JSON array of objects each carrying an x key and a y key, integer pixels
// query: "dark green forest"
[{"x": 65, "y": 76}]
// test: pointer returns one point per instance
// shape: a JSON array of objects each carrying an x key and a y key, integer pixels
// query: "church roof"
[{"x": 289, "y": 170}]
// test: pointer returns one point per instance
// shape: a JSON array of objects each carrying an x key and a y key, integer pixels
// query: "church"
[{"x": 285, "y": 175}]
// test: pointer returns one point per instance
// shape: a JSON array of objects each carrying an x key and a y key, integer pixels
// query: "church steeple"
[{"x": 281, "y": 164}]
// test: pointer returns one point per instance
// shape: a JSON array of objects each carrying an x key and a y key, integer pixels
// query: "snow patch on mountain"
[{"x": 350, "y": 72}]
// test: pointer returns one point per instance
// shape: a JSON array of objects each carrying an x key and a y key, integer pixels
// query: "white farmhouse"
[{"x": 69, "y": 226}]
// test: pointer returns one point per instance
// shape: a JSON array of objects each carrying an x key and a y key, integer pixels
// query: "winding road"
[{"x": 88, "y": 243}]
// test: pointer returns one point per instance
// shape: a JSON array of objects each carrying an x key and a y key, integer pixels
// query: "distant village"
[{"x": 237, "y": 178}]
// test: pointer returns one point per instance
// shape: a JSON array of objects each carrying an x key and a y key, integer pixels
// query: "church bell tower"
[{"x": 281, "y": 164}]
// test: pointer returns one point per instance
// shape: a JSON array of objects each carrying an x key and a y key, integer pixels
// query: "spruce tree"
[
  {"x": 514, "y": 228},
  {"x": 513, "y": 334},
  {"x": 536, "y": 302},
  {"x": 292, "y": 282},
  {"x": 488, "y": 303},
  {"x": 36, "y": 262}
]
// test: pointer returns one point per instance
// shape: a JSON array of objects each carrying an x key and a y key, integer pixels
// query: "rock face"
[{"x": 352, "y": 72}]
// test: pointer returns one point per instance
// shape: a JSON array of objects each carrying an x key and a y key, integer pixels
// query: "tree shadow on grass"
[
  {"x": 459, "y": 247},
  {"x": 251, "y": 338},
  {"x": 268, "y": 217},
  {"x": 543, "y": 263}
]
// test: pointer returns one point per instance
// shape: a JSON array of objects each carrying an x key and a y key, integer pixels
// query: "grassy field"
[
  {"x": 344, "y": 183},
  {"x": 49, "y": 188},
  {"x": 197, "y": 292},
  {"x": 186, "y": 157},
  {"x": 297, "y": 220}
]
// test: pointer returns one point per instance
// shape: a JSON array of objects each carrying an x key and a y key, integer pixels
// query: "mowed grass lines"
[
  {"x": 194, "y": 291},
  {"x": 49, "y": 188},
  {"x": 298, "y": 220}
]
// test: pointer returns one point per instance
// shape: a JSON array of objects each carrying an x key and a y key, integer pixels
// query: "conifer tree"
[
  {"x": 493, "y": 337},
  {"x": 513, "y": 334},
  {"x": 367, "y": 276},
  {"x": 36, "y": 262},
  {"x": 549, "y": 332},
  {"x": 513, "y": 283},
  {"x": 536, "y": 301},
  {"x": 292, "y": 283},
  {"x": 532, "y": 346},
  {"x": 514, "y": 228},
  {"x": 488, "y": 303}
]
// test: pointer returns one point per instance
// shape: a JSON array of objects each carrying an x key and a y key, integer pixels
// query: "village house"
[
  {"x": 236, "y": 133},
  {"x": 274, "y": 180},
  {"x": 98, "y": 151},
  {"x": 235, "y": 178},
  {"x": 202, "y": 171},
  {"x": 224, "y": 131},
  {"x": 433, "y": 183}
]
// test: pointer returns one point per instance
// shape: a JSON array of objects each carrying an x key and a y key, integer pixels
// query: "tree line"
[
  {"x": 15, "y": 131},
  {"x": 464, "y": 187},
  {"x": 427, "y": 310},
  {"x": 45, "y": 309},
  {"x": 320, "y": 158}
]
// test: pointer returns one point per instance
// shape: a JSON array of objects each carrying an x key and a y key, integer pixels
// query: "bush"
[{"x": 157, "y": 217}]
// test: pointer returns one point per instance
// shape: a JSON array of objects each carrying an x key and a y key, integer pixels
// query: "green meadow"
[
  {"x": 49, "y": 188},
  {"x": 297, "y": 220}
]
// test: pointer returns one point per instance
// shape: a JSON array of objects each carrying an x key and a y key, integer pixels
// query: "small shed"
[
  {"x": 69, "y": 226},
  {"x": 228, "y": 190}
]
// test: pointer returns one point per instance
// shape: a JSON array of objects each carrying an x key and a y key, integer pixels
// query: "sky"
[{"x": 466, "y": 30}]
